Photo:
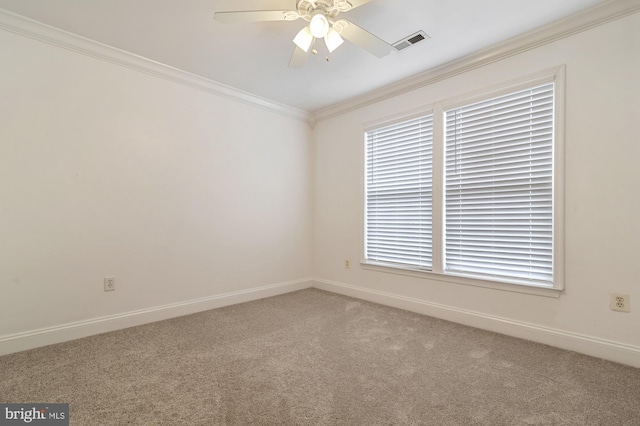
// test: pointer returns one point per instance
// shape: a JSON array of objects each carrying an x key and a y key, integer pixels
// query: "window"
[
  {"x": 399, "y": 193},
  {"x": 495, "y": 180},
  {"x": 499, "y": 186}
]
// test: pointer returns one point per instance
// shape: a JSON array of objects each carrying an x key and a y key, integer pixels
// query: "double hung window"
[
  {"x": 484, "y": 206},
  {"x": 399, "y": 193}
]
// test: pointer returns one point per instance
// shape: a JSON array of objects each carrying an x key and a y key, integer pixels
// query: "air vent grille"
[
  {"x": 410, "y": 40},
  {"x": 416, "y": 38}
]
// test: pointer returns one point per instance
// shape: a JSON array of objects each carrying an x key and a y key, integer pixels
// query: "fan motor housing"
[{"x": 329, "y": 8}]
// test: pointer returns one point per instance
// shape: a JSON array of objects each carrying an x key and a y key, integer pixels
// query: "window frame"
[
  {"x": 555, "y": 75},
  {"x": 401, "y": 119}
]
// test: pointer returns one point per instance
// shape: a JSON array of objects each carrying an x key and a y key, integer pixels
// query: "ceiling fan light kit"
[
  {"x": 319, "y": 25},
  {"x": 304, "y": 39},
  {"x": 321, "y": 16},
  {"x": 333, "y": 40}
]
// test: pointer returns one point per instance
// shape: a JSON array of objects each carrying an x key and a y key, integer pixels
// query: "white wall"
[
  {"x": 602, "y": 204},
  {"x": 183, "y": 195},
  {"x": 106, "y": 171}
]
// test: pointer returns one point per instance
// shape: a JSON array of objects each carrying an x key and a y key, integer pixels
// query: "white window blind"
[
  {"x": 499, "y": 186},
  {"x": 399, "y": 165}
]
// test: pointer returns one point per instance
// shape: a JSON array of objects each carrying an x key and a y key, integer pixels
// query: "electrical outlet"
[
  {"x": 620, "y": 302},
  {"x": 110, "y": 284},
  {"x": 347, "y": 264}
]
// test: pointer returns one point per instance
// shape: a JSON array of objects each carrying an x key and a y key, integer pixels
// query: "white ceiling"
[{"x": 253, "y": 57}]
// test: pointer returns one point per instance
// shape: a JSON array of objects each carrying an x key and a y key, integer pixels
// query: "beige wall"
[
  {"x": 181, "y": 195},
  {"x": 602, "y": 231},
  {"x": 106, "y": 171}
]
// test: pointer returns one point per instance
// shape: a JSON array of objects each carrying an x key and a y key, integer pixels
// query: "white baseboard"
[
  {"x": 588, "y": 345},
  {"x": 71, "y": 331}
]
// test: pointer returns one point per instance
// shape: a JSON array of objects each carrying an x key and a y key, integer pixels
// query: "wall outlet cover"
[
  {"x": 620, "y": 302},
  {"x": 110, "y": 284}
]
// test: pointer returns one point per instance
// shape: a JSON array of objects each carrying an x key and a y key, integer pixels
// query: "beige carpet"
[{"x": 317, "y": 358}]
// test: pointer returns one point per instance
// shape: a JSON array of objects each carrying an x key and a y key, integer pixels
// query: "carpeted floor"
[{"x": 317, "y": 358}]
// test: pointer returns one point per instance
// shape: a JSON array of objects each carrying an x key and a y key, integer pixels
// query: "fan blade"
[
  {"x": 363, "y": 38},
  {"x": 357, "y": 3},
  {"x": 256, "y": 16},
  {"x": 267, "y": 4},
  {"x": 298, "y": 58}
]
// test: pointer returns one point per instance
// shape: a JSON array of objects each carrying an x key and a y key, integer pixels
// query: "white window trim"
[{"x": 556, "y": 75}]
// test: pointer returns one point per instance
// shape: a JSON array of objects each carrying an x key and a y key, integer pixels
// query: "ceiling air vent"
[{"x": 410, "y": 40}]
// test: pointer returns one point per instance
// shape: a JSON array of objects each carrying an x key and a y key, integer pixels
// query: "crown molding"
[
  {"x": 582, "y": 21},
  {"x": 36, "y": 30}
]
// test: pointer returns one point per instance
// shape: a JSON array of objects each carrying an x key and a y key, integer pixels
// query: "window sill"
[{"x": 464, "y": 280}]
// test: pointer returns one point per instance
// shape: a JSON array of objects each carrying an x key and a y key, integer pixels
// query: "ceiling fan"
[{"x": 321, "y": 16}]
